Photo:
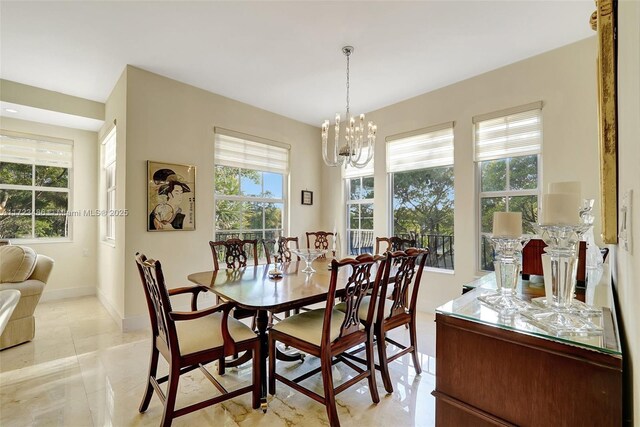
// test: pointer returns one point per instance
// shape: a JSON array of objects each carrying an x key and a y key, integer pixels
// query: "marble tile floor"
[{"x": 80, "y": 370}]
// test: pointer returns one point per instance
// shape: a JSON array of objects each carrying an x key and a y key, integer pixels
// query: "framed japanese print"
[{"x": 171, "y": 197}]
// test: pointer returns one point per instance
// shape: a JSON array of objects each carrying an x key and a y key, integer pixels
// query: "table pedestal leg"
[{"x": 262, "y": 321}]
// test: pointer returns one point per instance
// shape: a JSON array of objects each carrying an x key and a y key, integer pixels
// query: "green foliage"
[
  {"x": 19, "y": 218},
  {"x": 423, "y": 201},
  {"x": 242, "y": 215}
]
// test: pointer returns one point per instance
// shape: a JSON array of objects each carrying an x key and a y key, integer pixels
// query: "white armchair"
[{"x": 24, "y": 270}]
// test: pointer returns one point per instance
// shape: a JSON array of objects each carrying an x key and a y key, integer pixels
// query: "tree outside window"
[
  {"x": 34, "y": 201},
  {"x": 508, "y": 184},
  {"x": 423, "y": 207},
  {"x": 249, "y": 204}
]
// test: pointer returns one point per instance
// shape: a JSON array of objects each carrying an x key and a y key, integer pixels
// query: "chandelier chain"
[{"x": 347, "y": 118}]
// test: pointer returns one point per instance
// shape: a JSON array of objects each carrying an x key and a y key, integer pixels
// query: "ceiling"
[{"x": 284, "y": 57}]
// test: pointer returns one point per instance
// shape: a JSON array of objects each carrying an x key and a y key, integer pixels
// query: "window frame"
[
  {"x": 479, "y": 194},
  {"x": 69, "y": 214},
  {"x": 434, "y": 156},
  {"x": 349, "y": 202},
  {"x": 109, "y": 221},
  {"x": 253, "y": 199}
]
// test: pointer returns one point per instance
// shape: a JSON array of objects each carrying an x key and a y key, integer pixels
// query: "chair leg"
[
  {"x": 256, "y": 392},
  {"x": 172, "y": 391},
  {"x": 373, "y": 388},
  {"x": 221, "y": 363},
  {"x": 414, "y": 344},
  {"x": 272, "y": 366},
  {"x": 153, "y": 369},
  {"x": 329, "y": 393},
  {"x": 382, "y": 357}
]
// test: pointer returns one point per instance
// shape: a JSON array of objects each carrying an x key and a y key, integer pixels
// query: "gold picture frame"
[
  {"x": 603, "y": 20},
  {"x": 171, "y": 200}
]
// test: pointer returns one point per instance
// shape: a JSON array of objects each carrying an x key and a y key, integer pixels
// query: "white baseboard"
[
  {"x": 115, "y": 315},
  {"x": 136, "y": 323},
  {"x": 57, "y": 294}
]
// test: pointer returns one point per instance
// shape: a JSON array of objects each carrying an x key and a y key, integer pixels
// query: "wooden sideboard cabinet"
[{"x": 493, "y": 371}]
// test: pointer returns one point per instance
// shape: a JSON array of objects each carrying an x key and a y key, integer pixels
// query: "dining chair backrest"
[
  {"x": 234, "y": 253},
  {"x": 279, "y": 250},
  {"x": 393, "y": 244},
  {"x": 408, "y": 266},
  {"x": 158, "y": 303},
  {"x": 360, "y": 283},
  {"x": 320, "y": 239}
]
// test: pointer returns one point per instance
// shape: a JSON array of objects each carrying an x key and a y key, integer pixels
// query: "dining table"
[{"x": 253, "y": 288}]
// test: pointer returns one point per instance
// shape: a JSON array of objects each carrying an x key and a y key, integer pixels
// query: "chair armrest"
[
  {"x": 195, "y": 290},
  {"x": 190, "y": 315},
  {"x": 43, "y": 268}
]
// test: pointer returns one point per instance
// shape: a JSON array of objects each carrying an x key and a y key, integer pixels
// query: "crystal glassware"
[
  {"x": 507, "y": 268},
  {"x": 309, "y": 255},
  {"x": 559, "y": 312}
]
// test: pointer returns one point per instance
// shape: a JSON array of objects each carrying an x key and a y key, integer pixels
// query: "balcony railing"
[{"x": 440, "y": 246}]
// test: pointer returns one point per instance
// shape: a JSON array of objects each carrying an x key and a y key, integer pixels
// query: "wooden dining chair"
[
  {"x": 189, "y": 340},
  {"x": 327, "y": 333},
  {"x": 393, "y": 244},
  {"x": 279, "y": 250},
  {"x": 399, "y": 308},
  {"x": 234, "y": 253},
  {"x": 320, "y": 240}
]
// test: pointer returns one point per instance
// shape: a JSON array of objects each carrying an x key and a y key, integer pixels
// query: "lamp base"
[
  {"x": 562, "y": 324},
  {"x": 576, "y": 307},
  {"x": 504, "y": 303}
]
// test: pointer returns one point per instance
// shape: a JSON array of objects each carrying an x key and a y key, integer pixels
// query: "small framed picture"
[{"x": 307, "y": 197}]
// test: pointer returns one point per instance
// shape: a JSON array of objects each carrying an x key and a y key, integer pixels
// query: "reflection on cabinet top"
[{"x": 469, "y": 308}]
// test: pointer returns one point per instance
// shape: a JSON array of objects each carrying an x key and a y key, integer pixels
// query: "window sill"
[
  {"x": 39, "y": 241},
  {"x": 440, "y": 271},
  {"x": 110, "y": 243}
]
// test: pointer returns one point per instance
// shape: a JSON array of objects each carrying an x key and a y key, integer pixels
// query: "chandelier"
[{"x": 350, "y": 151}]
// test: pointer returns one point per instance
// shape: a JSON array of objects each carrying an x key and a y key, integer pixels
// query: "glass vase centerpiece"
[
  {"x": 561, "y": 229},
  {"x": 309, "y": 255},
  {"x": 507, "y": 241}
]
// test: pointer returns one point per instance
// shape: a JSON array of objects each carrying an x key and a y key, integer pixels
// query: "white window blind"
[
  {"x": 352, "y": 172},
  {"x": 21, "y": 149},
  {"x": 243, "y": 151},
  {"x": 421, "y": 149},
  {"x": 109, "y": 149},
  {"x": 511, "y": 135}
]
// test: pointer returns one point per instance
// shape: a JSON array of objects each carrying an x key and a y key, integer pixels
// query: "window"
[
  {"x": 420, "y": 166},
  {"x": 359, "y": 195},
  {"x": 507, "y": 154},
  {"x": 109, "y": 169},
  {"x": 35, "y": 183},
  {"x": 250, "y": 186}
]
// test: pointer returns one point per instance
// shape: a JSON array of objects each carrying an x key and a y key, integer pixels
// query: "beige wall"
[
  {"x": 564, "y": 79},
  {"x": 628, "y": 264},
  {"x": 73, "y": 273},
  {"x": 173, "y": 122},
  {"x": 110, "y": 272}
]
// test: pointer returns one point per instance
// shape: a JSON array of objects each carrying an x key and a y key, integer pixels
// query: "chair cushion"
[
  {"x": 16, "y": 263},
  {"x": 364, "y": 308},
  {"x": 307, "y": 326},
  {"x": 206, "y": 333}
]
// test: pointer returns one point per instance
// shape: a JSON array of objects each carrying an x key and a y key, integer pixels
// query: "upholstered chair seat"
[
  {"x": 206, "y": 332},
  {"x": 307, "y": 326}
]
